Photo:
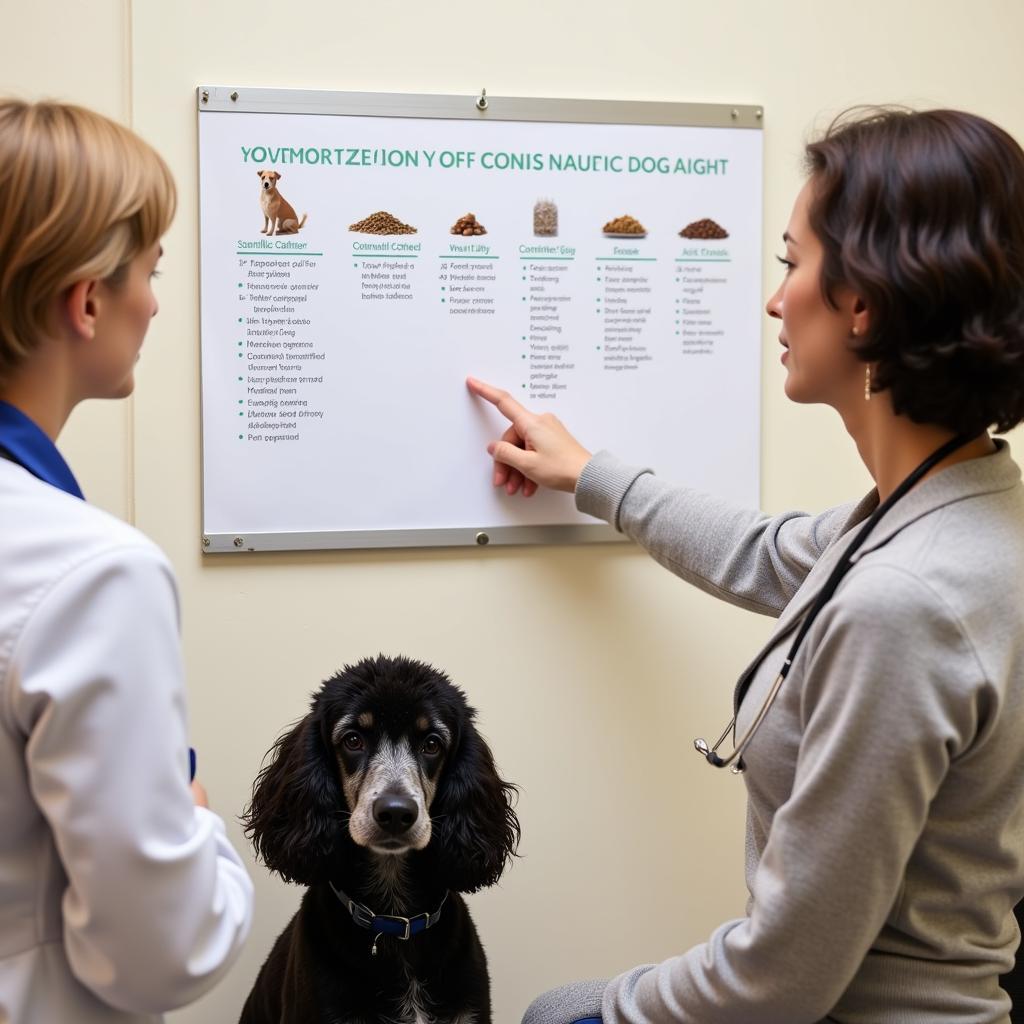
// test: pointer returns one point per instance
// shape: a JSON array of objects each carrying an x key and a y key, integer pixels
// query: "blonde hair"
[{"x": 80, "y": 198}]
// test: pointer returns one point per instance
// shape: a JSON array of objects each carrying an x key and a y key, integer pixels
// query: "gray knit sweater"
[{"x": 885, "y": 827}]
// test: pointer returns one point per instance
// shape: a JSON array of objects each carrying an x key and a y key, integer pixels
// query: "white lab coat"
[{"x": 119, "y": 899}]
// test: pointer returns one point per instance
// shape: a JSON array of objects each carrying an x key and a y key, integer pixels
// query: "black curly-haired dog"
[{"x": 385, "y": 802}]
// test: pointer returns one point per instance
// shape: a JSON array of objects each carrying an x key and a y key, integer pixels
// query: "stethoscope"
[{"x": 735, "y": 759}]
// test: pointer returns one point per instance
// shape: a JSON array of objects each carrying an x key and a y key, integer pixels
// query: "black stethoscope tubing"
[{"x": 735, "y": 759}]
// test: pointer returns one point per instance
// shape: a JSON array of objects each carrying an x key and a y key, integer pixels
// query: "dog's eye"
[
  {"x": 431, "y": 746},
  {"x": 352, "y": 741}
]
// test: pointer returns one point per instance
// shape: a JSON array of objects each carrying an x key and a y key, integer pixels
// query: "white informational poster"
[{"x": 356, "y": 267}]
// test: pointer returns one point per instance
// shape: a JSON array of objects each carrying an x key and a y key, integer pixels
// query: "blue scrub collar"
[{"x": 26, "y": 444}]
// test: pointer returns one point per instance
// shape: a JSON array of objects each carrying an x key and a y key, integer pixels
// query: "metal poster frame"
[{"x": 471, "y": 108}]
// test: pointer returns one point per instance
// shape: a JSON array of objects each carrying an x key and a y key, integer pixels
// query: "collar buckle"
[
  {"x": 406, "y": 922},
  {"x": 362, "y": 916},
  {"x": 395, "y": 925}
]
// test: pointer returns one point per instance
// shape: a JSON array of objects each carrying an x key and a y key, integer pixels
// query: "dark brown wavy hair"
[{"x": 921, "y": 214}]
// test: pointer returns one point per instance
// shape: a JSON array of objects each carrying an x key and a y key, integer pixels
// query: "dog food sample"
[
  {"x": 545, "y": 218},
  {"x": 382, "y": 223},
  {"x": 705, "y": 228},
  {"x": 468, "y": 225},
  {"x": 625, "y": 225}
]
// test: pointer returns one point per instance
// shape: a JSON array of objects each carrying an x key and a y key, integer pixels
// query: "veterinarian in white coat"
[{"x": 120, "y": 896}]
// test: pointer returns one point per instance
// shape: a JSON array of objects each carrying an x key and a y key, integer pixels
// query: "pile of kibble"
[
  {"x": 545, "y": 218},
  {"x": 624, "y": 226},
  {"x": 705, "y": 228},
  {"x": 382, "y": 223},
  {"x": 468, "y": 225}
]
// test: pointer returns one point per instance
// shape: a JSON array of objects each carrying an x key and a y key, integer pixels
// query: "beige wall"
[
  {"x": 592, "y": 668},
  {"x": 79, "y": 52}
]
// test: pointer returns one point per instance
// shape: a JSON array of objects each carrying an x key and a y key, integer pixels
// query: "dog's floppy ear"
[
  {"x": 296, "y": 817},
  {"x": 277, "y": 177},
  {"x": 476, "y": 832},
  {"x": 259, "y": 174}
]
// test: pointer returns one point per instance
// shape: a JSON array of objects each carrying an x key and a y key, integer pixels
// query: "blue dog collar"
[{"x": 387, "y": 924}]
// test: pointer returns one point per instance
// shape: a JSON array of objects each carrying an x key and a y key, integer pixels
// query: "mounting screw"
[
  {"x": 481, "y": 104},
  {"x": 239, "y": 543},
  {"x": 482, "y": 538},
  {"x": 206, "y": 542},
  {"x": 759, "y": 113},
  {"x": 234, "y": 96},
  {"x": 735, "y": 113},
  {"x": 206, "y": 96}
]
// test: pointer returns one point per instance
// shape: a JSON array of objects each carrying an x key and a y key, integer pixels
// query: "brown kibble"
[
  {"x": 468, "y": 225},
  {"x": 705, "y": 228},
  {"x": 624, "y": 225},
  {"x": 382, "y": 223}
]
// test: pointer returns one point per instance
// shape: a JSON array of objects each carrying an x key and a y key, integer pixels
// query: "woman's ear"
[
  {"x": 861, "y": 319},
  {"x": 297, "y": 814},
  {"x": 79, "y": 309},
  {"x": 476, "y": 832}
]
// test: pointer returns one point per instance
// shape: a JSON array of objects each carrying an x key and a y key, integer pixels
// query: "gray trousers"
[
  {"x": 567, "y": 1004},
  {"x": 571, "y": 1003}
]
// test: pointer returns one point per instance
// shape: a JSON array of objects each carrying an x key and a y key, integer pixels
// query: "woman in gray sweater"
[{"x": 885, "y": 829}]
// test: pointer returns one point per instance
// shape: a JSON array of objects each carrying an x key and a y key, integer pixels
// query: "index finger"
[{"x": 502, "y": 400}]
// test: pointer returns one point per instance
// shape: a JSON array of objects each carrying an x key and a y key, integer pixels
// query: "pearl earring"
[{"x": 867, "y": 383}]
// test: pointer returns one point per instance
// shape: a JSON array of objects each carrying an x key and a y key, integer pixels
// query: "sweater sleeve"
[
  {"x": 745, "y": 557},
  {"x": 882, "y": 720},
  {"x": 157, "y": 903}
]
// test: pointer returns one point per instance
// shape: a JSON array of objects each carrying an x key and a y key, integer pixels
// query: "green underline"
[
  {"x": 381, "y": 256},
  {"x": 557, "y": 259},
  {"x": 679, "y": 259},
  {"x": 629, "y": 259},
  {"x": 274, "y": 252},
  {"x": 467, "y": 259}
]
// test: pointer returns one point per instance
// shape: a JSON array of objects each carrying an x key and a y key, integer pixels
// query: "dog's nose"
[{"x": 395, "y": 813}]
